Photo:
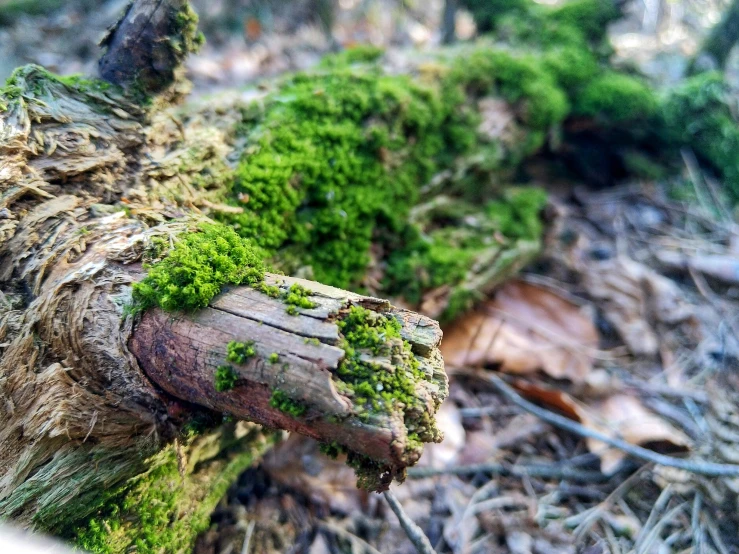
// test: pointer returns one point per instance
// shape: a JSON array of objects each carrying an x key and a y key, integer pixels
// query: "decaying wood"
[
  {"x": 181, "y": 354},
  {"x": 88, "y": 393}
]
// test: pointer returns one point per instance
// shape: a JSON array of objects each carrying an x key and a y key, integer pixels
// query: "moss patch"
[
  {"x": 379, "y": 389},
  {"x": 699, "y": 113},
  {"x": 240, "y": 352},
  {"x": 165, "y": 508},
  {"x": 197, "y": 267},
  {"x": 456, "y": 236},
  {"x": 284, "y": 403},
  {"x": 225, "y": 378}
]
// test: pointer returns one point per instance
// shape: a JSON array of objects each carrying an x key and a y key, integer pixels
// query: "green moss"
[
  {"x": 617, "y": 97},
  {"x": 590, "y": 17},
  {"x": 488, "y": 13},
  {"x": 12, "y": 10},
  {"x": 270, "y": 290},
  {"x": 194, "y": 271},
  {"x": 225, "y": 378},
  {"x": 298, "y": 295},
  {"x": 515, "y": 77},
  {"x": 32, "y": 83},
  {"x": 361, "y": 53},
  {"x": 284, "y": 403},
  {"x": 274, "y": 358},
  {"x": 377, "y": 390},
  {"x": 334, "y": 157},
  {"x": 164, "y": 509},
  {"x": 699, "y": 113},
  {"x": 331, "y": 449},
  {"x": 454, "y": 237},
  {"x": 239, "y": 352}
]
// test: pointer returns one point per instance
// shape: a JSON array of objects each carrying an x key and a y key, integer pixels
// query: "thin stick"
[
  {"x": 701, "y": 468},
  {"x": 247, "y": 539},
  {"x": 414, "y": 532}
]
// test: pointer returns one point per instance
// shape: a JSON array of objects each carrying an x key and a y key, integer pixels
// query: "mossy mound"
[
  {"x": 701, "y": 113},
  {"x": 166, "y": 507}
]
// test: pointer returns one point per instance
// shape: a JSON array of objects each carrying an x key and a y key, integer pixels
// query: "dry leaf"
[
  {"x": 626, "y": 417},
  {"x": 523, "y": 329},
  {"x": 619, "y": 416},
  {"x": 446, "y": 453},
  {"x": 631, "y": 295}
]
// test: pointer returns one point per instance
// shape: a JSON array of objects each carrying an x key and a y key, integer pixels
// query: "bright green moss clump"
[
  {"x": 164, "y": 509},
  {"x": 225, "y": 378},
  {"x": 284, "y": 403},
  {"x": 378, "y": 388},
  {"x": 298, "y": 295},
  {"x": 617, "y": 97},
  {"x": 239, "y": 352},
  {"x": 455, "y": 237},
  {"x": 361, "y": 53},
  {"x": 194, "y": 271},
  {"x": 334, "y": 156},
  {"x": 699, "y": 113}
]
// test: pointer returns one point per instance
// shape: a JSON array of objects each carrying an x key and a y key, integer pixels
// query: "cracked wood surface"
[{"x": 181, "y": 353}]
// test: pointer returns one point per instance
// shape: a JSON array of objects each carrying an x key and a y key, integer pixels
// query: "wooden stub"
[{"x": 180, "y": 352}]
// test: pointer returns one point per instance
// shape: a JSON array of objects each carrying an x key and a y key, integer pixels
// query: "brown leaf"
[
  {"x": 631, "y": 295},
  {"x": 523, "y": 329},
  {"x": 619, "y": 416},
  {"x": 626, "y": 417}
]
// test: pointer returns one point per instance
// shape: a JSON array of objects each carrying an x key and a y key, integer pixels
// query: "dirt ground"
[{"x": 628, "y": 326}]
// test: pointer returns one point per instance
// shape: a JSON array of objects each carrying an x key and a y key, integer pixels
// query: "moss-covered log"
[{"x": 137, "y": 310}]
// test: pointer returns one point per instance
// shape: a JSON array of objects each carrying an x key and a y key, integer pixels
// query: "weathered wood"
[
  {"x": 182, "y": 352},
  {"x": 145, "y": 49}
]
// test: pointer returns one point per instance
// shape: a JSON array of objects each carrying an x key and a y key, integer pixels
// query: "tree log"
[{"x": 97, "y": 400}]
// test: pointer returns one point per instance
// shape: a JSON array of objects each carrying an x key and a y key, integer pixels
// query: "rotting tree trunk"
[{"x": 95, "y": 400}]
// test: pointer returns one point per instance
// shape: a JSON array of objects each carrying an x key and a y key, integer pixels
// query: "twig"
[
  {"x": 351, "y": 537},
  {"x": 518, "y": 470},
  {"x": 701, "y": 468},
  {"x": 660, "y": 505},
  {"x": 247, "y": 539},
  {"x": 414, "y": 532},
  {"x": 695, "y": 523}
]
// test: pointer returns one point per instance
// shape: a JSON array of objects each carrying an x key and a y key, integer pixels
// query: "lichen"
[{"x": 196, "y": 269}]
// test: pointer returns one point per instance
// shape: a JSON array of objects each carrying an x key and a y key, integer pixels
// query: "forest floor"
[{"x": 628, "y": 324}]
